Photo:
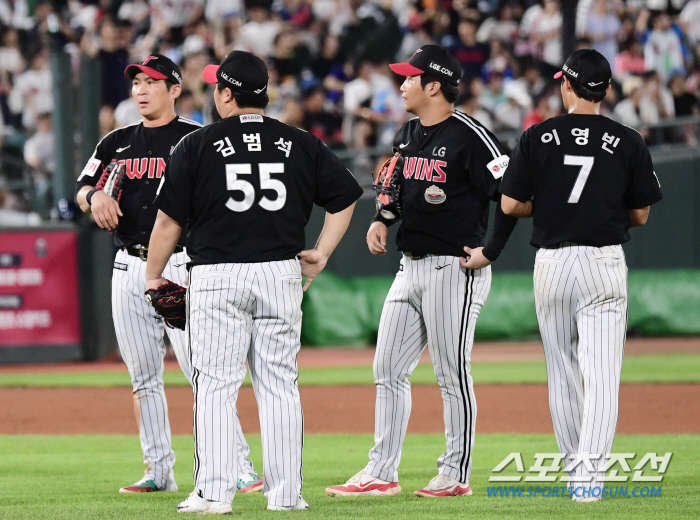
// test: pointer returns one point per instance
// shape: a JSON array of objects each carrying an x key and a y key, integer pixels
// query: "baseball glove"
[
  {"x": 170, "y": 302},
  {"x": 388, "y": 187},
  {"x": 112, "y": 180}
]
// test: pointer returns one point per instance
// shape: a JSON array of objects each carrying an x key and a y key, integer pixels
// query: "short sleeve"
[
  {"x": 486, "y": 161},
  {"x": 175, "y": 193},
  {"x": 644, "y": 188},
  {"x": 336, "y": 188},
  {"x": 101, "y": 157},
  {"x": 517, "y": 180}
]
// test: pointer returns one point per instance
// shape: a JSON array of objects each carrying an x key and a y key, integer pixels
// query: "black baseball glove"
[
  {"x": 112, "y": 180},
  {"x": 388, "y": 187},
  {"x": 170, "y": 302}
]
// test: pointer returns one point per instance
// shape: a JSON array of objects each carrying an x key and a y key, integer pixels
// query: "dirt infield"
[{"x": 343, "y": 409}]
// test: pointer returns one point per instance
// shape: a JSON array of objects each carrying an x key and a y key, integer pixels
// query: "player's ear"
[{"x": 175, "y": 91}]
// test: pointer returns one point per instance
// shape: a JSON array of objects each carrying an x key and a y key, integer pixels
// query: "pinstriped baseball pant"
[
  {"x": 252, "y": 312},
  {"x": 140, "y": 335},
  {"x": 435, "y": 301},
  {"x": 581, "y": 303}
]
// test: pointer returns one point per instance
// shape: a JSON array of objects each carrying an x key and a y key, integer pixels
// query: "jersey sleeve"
[
  {"x": 336, "y": 188},
  {"x": 101, "y": 157},
  {"x": 643, "y": 188},
  {"x": 517, "y": 180},
  {"x": 174, "y": 196},
  {"x": 486, "y": 161}
]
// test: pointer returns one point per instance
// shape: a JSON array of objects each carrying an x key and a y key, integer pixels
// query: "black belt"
[
  {"x": 415, "y": 256},
  {"x": 142, "y": 251},
  {"x": 562, "y": 244}
]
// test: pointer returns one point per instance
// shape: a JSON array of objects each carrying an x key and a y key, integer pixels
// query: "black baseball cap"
[
  {"x": 434, "y": 60},
  {"x": 155, "y": 66},
  {"x": 588, "y": 68},
  {"x": 240, "y": 71}
]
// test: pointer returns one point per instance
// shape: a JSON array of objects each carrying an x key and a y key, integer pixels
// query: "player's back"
[
  {"x": 254, "y": 181},
  {"x": 583, "y": 168}
]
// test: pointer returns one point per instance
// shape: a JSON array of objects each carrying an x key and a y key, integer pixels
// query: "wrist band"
[{"x": 88, "y": 197}]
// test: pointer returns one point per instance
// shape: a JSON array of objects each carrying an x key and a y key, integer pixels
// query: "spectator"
[
  {"x": 492, "y": 96},
  {"x": 470, "y": 106},
  {"x": 39, "y": 148},
  {"x": 532, "y": 81},
  {"x": 684, "y": 104},
  {"x": 471, "y": 54},
  {"x": 318, "y": 120},
  {"x": 545, "y": 34},
  {"x": 509, "y": 116},
  {"x": 602, "y": 28},
  {"x": 258, "y": 34},
  {"x": 663, "y": 52},
  {"x": 187, "y": 108},
  {"x": 32, "y": 93},
  {"x": 107, "y": 120},
  {"x": 540, "y": 113},
  {"x": 628, "y": 110},
  {"x": 501, "y": 26},
  {"x": 657, "y": 102},
  {"x": 689, "y": 20},
  {"x": 629, "y": 61},
  {"x": 178, "y": 15}
]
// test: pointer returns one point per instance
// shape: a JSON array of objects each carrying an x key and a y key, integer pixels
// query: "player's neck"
[
  {"x": 585, "y": 107},
  {"x": 236, "y": 111},
  {"x": 432, "y": 115},
  {"x": 161, "y": 120}
]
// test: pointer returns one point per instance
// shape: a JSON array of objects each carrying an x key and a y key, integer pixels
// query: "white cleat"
[
  {"x": 298, "y": 506},
  {"x": 196, "y": 504}
]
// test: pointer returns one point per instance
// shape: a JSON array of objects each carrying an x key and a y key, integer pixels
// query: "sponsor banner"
[{"x": 39, "y": 302}]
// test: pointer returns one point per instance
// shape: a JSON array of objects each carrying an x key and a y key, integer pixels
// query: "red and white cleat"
[
  {"x": 364, "y": 484},
  {"x": 443, "y": 486}
]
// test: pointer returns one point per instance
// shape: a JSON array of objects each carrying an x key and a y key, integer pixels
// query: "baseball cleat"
[
  {"x": 443, "y": 486},
  {"x": 364, "y": 484},
  {"x": 196, "y": 504},
  {"x": 249, "y": 483},
  {"x": 587, "y": 499},
  {"x": 146, "y": 485},
  {"x": 298, "y": 506}
]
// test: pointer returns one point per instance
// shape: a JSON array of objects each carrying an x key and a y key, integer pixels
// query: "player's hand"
[
  {"x": 312, "y": 262},
  {"x": 376, "y": 238},
  {"x": 153, "y": 283},
  {"x": 474, "y": 259},
  {"x": 105, "y": 210}
]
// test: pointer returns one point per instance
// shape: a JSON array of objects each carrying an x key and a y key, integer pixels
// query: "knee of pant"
[{"x": 143, "y": 382}]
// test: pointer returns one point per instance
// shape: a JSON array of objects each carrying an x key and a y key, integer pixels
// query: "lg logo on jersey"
[{"x": 440, "y": 152}]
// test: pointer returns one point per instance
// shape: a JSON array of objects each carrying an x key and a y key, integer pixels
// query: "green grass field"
[
  {"x": 67, "y": 477},
  {"x": 652, "y": 368}
]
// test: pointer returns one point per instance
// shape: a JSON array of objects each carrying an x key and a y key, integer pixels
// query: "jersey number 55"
[{"x": 265, "y": 170}]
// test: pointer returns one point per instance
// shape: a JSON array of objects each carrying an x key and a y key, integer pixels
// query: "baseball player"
[
  {"x": 246, "y": 186},
  {"x": 592, "y": 179},
  {"x": 452, "y": 169},
  {"x": 143, "y": 149}
]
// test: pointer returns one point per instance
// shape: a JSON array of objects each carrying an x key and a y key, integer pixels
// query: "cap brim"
[
  {"x": 209, "y": 73},
  {"x": 131, "y": 71},
  {"x": 558, "y": 74},
  {"x": 406, "y": 69}
]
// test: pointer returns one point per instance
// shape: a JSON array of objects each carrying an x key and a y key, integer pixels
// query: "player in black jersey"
[
  {"x": 246, "y": 186},
  {"x": 452, "y": 170},
  {"x": 592, "y": 179},
  {"x": 143, "y": 149}
]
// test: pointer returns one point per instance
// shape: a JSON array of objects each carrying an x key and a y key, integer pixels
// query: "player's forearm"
[
  {"x": 335, "y": 226},
  {"x": 81, "y": 199},
  {"x": 164, "y": 237},
  {"x": 503, "y": 226},
  {"x": 515, "y": 208},
  {"x": 638, "y": 217}
]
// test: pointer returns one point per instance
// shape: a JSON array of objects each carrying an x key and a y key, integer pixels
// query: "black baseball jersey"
[
  {"x": 451, "y": 172},
  {"x": 246, "y": 186},
  {"x": 585, "y": 172},
  {"x": 144, "y": 152}
]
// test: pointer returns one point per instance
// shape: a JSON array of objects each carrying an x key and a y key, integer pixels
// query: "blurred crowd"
[{"x": 328, "y": 62}]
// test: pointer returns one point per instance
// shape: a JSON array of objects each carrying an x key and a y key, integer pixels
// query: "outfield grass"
[
  {"x": 651, "y": 368},
  {"x": 66, "y": 477}
]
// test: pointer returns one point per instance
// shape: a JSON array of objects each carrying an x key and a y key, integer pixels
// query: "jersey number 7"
[
  {"x": 586, "y": 164},
  {"x": 234, "y": 183}
]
